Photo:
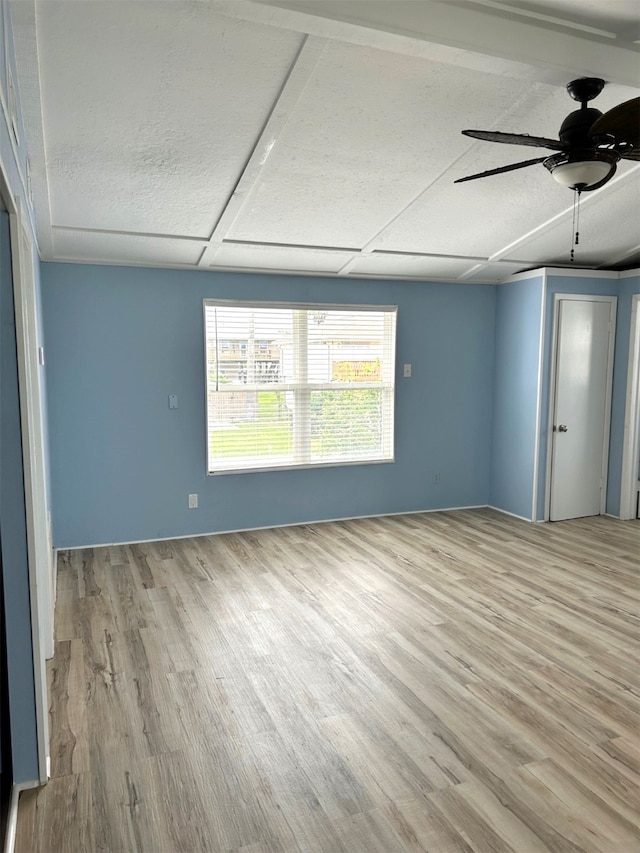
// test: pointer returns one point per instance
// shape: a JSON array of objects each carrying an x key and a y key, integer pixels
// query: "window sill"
[{"x": 338, "y": 463}]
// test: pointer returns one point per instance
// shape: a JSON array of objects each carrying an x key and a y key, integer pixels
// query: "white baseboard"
[
  {"x": 512, "y": 514},
  {"x": 275, "y": 526},
  {"x": 12, "y": 817},
  {"x": 12, "y": 821}
]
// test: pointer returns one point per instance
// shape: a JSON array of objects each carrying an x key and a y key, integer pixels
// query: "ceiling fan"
[{"x": 590, "y": 145}]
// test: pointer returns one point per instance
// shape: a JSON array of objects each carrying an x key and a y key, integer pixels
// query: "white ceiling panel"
[
  {"x": 488, "y": 214},
  {"x": 480, "y": 217},
  {"x": 369, "y": 134},
  {"x": 125, "y": 248},
  {"x": 151, "y": 110},
  {"x": 608, "y": 222},
  {"x": 494, "y": 273},
  {"x": 291, "y": 258},
  {"x": 412, "y": 266}
]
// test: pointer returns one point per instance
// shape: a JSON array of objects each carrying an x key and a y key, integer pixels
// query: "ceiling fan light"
[
  {"x": 582, "y": 169},
  {"x": 573, "y": 175}
]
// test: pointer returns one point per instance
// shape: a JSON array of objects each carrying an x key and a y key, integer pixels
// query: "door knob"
[{"x": 562, "y": 428}]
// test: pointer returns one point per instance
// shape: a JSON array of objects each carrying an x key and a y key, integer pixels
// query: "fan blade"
[
  {"x": 622, "y": 122},
  {"x": 516, "y": 139},
  {"x": 501, "y": 169}
]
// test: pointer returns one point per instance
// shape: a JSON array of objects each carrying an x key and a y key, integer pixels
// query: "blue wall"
[
  {"x": 120, "y": 340},
  {"x": 515, "y": 404}
]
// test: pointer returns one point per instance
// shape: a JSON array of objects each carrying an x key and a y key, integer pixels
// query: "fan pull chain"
[{"x": 575, "y": 225}]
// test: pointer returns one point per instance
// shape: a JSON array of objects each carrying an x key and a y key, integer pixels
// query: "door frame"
[
  {"x": 32, "y": 447},
  {"x": 631, "y": 440},
  {"x": 579, "y": 297},
  {"x": 40, "y": 568},
  {"x": 30, "y": 362}
]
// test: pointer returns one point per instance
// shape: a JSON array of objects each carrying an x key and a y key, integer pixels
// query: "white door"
[{"x": 581, "y": 414}]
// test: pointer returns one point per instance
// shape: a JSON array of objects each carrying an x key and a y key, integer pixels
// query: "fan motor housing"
[{"x": 574, "y": 130}]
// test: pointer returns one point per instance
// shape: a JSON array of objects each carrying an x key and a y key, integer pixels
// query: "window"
[{"x": 323, "y": 394}]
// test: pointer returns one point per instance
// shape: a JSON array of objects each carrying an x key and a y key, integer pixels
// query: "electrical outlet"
[
  {"x": 193, "y": 502},
  {"x": 173, "y": 401}
]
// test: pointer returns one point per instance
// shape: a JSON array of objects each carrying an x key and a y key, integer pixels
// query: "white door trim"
[
  {"x": 39, "y": 554},
  {"x": 536, "y": 449},
  {"x": 631, "y": 441},
  {"x": 579, "y": 297}
]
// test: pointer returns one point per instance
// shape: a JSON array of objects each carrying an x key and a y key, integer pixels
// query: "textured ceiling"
[{"x": 320, "y": 136}]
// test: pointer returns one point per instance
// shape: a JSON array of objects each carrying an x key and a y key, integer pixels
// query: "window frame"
[{"x": 303, "y": 389}]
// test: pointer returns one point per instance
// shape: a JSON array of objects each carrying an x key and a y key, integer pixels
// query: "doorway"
[{"x": 582, "y": 370}]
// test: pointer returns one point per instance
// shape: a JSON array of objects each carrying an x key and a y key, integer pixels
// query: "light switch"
[
  {"x": 173, "y": 401},
  {"x": 407, "y": 371}
]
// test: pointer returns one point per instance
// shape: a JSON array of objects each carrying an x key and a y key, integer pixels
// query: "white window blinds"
[{"x": 298, "y": 385}]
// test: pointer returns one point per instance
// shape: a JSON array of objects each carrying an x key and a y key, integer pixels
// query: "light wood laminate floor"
[{"x": 438, "y": 682}]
